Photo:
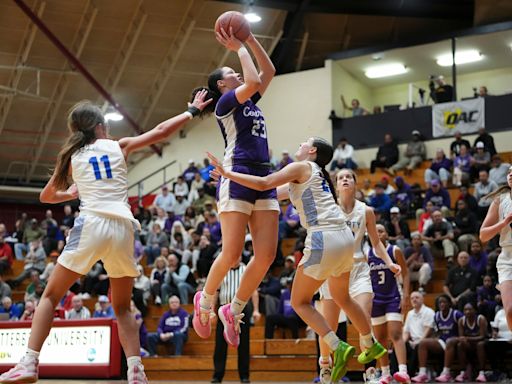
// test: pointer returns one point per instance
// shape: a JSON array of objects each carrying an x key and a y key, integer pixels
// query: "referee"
[{"x": 226, "y": 293}]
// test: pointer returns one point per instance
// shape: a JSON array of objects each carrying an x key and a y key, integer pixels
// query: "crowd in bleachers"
[{"x": 181, "y": 236}]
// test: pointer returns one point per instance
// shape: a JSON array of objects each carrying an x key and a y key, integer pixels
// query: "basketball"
[{"x": 235, "y": 20}]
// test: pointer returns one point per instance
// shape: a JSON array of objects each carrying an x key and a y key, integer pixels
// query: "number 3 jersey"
[
  {"x": 315, "y": 204},
  {"x": 384, "y": 283},
  {"x": 244, "y": 130},
  {"x": 100, "y": 173}
]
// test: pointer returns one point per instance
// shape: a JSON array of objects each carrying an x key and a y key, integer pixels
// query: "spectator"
[
  {"x": 488, "y": 141},
  {"x": 65, "y": 303},
  {"x": 471, "y": 341},
  {"x": 380, "y": 202},
  {"x": 398, "y": 229},
  {"x": 180, "y": 206},
  {"x": 181, "y": 188},
  {"x": 28, "y": 312},
  {"x": 285, "y": 316},
  {"x": 178, "y": 277},
  {"x": 141, "y": 290},
  {"x": 425, "y": 218},
  {"x": 377, "y": 109},
  {"x": 387, "y": 155},
  {"x": 172, "y": 328},
  {"x": 481, "y": 160},
  {"x": 288, "y": 270},
  {"x": 388, "y": 188},
  {"x": 69, "y": 218},
  {"x": 270, "y": 291},
  {"x": 439, "y": 196},
  {"x": 54, "y": 239},
  {"x": 96, "y": 281},
  {"x": 157, "y": 277},
  {"x": 466, "y": 226},
  {"x": 165, "y": 200},
  {"x": 441, "y": 93},
  {"x": 499, "y": 170},
  {"x": 5, "y": 290},
  {"x": 14, "y": 310},
  {"x": 188, "y": 174},
  {"x": 227, "y": 292},
  {"x": 470, "y": 200},
  {"x": 78, "y": 312},
  {"x": 201, "y": 200},
  {"x": 367, "y": 189},
  {"x": 35, "y": 260},
  {"x": 6, "y": 258},
  {"x": 486, "y": 298},
  {"x": 460, "y": 284},
  {"x": 462, "y": 167},
  {"x": 160, "y": 218},
  {"x": 103, "y": 308},
  {"x": 50, "y": 266},
  {"x": 156, "y": 241},
  {"x": 30, "y": 233},
  {"x": 478, "y": 259},
  {"x": 457, "y": 143},
  {"x": 3, "y": 231},
  {"x": 482, "y": 189},
  {"x": 171, "y": 219},
  {"x": 289, "y": 223},
  {"x": 439, "y": 236},
  {"x": 419, "y": 324},
  {"x": 36, "y": 287},
  {"x": 285, "y": 160},
  {"x": 355, "y": 107},
  {"x": 419, "y": 262},
  {"x": 205, "y": 171},
  {"x": 447, "y": 332},
  {"x": 213, "y": 224},
  {"x": 180, "y": 239},
  {"x": 482, "y": 91},
  {"x": 343, "y": 156},
  {"x": 190, "y": 219},
  {"x": 207, "y": 252},
  {"x": 439, "y": 169},
  {"x": 197, "y": 183},
  {"x": 415, "y": 153},
  {"x": 403, "y": 196}
]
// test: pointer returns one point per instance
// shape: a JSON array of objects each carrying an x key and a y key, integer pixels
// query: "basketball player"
[
  {"x": 499, "y": 220},
  {"x": 387, "y": 304},
  {"x": 103, "y": 231},
  {"x": 245, "y": 135},
  {"x": 328, "y": 246},
  {"x": 360, "y": 219}
]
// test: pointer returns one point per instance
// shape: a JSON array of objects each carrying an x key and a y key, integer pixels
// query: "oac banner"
[{"x": 463, "y": 116}]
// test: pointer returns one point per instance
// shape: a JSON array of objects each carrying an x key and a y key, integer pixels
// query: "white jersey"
[
  {"x": 504, "y": 210},
  {"x": 315, "y": 204},
  {"x": 100, "y": 173},
  {"x": 356, "y": 221}
]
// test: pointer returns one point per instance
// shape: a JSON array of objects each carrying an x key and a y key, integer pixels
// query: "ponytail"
[
  {"x": 499, "y": 191},
  {"x": 213, "y": 91},
  {"x": 327, "y": 177},
  {"x": 324, "y": 153}
]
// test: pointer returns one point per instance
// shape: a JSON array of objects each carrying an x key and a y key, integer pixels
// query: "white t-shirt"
[
  {"x": 500, "y": 323},
  {"x": 416, "y": 322}
]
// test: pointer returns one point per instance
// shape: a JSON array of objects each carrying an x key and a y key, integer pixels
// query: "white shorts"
[
  {"x": 504, "y": 265},
  {"x": 359, "y": 282},
  {"x": 442, "y": 343},
  {"x": 392, "y": 316},
  {"x": 328, "y": 253},
  {"x": 94, "y": 238}
]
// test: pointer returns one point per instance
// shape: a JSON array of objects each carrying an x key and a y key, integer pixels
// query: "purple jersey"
[
  {"x": 384, "y": 284},
  {"x": 471, "y": 330},
  {"x": 244, "y": 130},
  {"x": 447, "y": 326}
]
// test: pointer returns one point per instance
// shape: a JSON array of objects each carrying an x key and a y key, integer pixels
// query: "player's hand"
[
  {"x": 508, "y": 219},
  {"x": 219, "y": 169},
  {"x": 395, "y": 268},
  {"x": 257, "y": 316},
  {"x": 199, "y": 100},
  {"x": 73, "y": 191},
  {"x": 228, "y": 39}
]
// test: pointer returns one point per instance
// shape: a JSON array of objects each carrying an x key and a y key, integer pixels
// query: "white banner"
[
  {"x": 64, "y": 345},
  {"x": 463, "y": 116}
]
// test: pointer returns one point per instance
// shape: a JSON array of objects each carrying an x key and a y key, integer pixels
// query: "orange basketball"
[{"x": 235, "y": 20}]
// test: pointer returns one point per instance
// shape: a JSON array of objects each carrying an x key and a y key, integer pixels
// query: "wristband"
[
  {"x": 194, "y": 111},
  {"x": 189, "y": 115}
]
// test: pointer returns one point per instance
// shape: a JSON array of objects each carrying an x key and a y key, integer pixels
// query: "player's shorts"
[
  {"x": 359, "y": 282},
  {"x": 504, "y": 265},
  {"x": 95, "y": 238},
  {"x": 233, "y": 197},
  {"x": 386, "y": 310},
  {"x": 328, "y": 253}
]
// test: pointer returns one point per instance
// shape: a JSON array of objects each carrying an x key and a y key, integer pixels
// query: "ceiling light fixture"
[
  {"x": 113, "y": 116},
  {"x": 461, "y": 57},
  {"x": 385, "y": 70},
  {"x": 252, "y": 17}
]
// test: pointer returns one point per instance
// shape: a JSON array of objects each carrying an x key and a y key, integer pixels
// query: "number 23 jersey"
[{"x": 100, "y": 173}]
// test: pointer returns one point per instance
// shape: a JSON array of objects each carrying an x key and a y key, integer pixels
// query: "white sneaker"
[
  {"x": 26, "y": 371},
  {"x": 325, "y": 375},
  {"x": 136, "y": 375},
  {"x": 158, "y": 300}
]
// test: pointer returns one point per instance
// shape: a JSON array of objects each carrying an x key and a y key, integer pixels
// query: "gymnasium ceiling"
[{"x": 149, "y": 54}]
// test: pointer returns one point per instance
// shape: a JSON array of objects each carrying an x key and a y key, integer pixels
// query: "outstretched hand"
[
  {"x": 218, "y": 171},
  {"x": 199, "y": 101},
  {"x": 228, "y": 40},
  {"x": 395, "y": 268}
]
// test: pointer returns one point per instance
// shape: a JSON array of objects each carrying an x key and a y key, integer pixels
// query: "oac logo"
[
  {"x": 452, "y": 118},
  {"x": 5, "y": 355},
  {"x": 91, "y": 354}
]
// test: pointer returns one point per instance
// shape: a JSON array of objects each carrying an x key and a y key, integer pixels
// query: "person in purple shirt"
[
  {"x": 172, "y": 328},
  {"x": 285, "y": 317},
  {"x": 478, "y": 258},
  {"x": 189, "y": 173},
  {"x": 244, "y": 130},
  {"x": 402, "y": 197},
  {"x": 439, "y": 196},
  {"x": 214, "y": 225},
  {"x": 486, "y": 298},
  {"x": 289, "y": 223},
  {"x": 462, "y": 166},
  {"x": 439, "y": 169},
  {"x": 380, "y": 202}
]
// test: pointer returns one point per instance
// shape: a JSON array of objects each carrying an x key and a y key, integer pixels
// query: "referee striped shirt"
[{"x": 230, "y": 284}]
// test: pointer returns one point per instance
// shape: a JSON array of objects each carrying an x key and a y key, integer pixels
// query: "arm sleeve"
[
  {"x": 227, "y": 103},
  {"x": 256, "y": 97}
]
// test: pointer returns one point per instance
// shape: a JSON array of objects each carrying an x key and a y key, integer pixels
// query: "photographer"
[{"x": 443, "y": 92}]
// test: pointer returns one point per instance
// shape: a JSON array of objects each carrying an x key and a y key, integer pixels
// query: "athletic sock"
[
  {"x": 385, "y": 370},
  {"x": 423, "y": 371},
  {"x": 446, "y": 371},
  {"x": 31, "y": 354},
  {"x": 205, "y": 302},
  {"x": 331, "y": 340},
  {"x": 402, "y": 368},
  {"x": 367, "y": 340},
  {"x": 237, "y": 306},
  {"x": 324, "y": 361},
  {"x": 133, "y": 361}
]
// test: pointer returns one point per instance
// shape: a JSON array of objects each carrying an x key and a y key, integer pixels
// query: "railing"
[{"x": 140, "y": 187}]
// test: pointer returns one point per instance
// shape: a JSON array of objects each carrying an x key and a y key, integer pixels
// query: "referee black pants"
[{"x": 221, "y": 348}]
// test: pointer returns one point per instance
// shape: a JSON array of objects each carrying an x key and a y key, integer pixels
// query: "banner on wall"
[{"x": 463, "y": 116}]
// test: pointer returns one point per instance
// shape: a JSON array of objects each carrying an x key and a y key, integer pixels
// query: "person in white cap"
[
  {"x": 481, "y": 160},
  {"x": 414, "y": 154}
]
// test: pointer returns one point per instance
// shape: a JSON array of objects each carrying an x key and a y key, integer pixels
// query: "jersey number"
[
  {"x": 96, "y": 166},
  {"x": 325, "y": 185},
  {"x": 382, "y": 277},
  {"x": 259, "y": 129}
]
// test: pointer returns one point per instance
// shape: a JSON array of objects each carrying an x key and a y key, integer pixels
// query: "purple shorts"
[{"x": 386, "y": 310}]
